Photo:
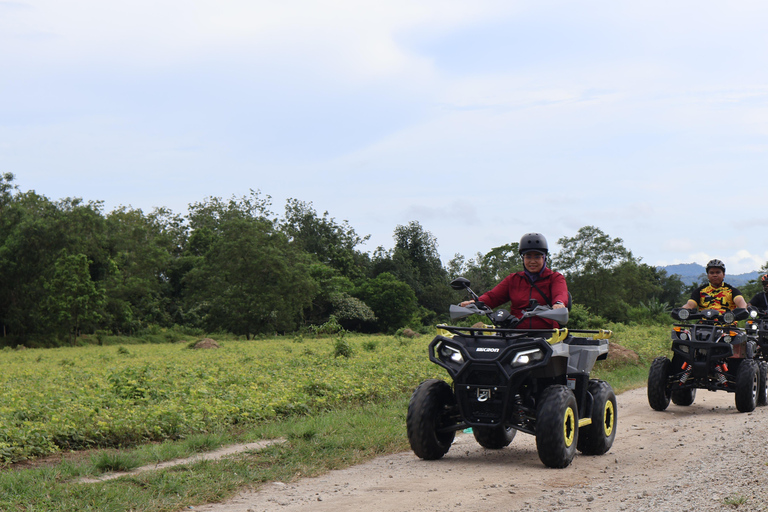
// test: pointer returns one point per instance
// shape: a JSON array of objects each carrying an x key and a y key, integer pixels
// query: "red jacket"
[{"x": 517, "y": 290}]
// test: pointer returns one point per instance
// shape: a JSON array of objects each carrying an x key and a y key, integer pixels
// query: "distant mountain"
[{"x": 694, "y": 273}]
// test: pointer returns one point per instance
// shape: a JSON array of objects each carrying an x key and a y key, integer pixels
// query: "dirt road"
[{"x": 704, "y": 457}]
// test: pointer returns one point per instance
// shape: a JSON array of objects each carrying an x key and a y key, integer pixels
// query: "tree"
[
  {"x": 601, "y": 273},
  {"x": 247, "y": 277},
  {"x": 73, "y": 299},
  {"x": 33, "y": 232},
  {"x": 331, "y": 243},
  {"x": 416, "y": 262},
  {"x": 486, "y": 270},
  {"x": 590, "y": 251},
  {"x": 140, "y": 249},
  {"x": 393, "y": 301}
]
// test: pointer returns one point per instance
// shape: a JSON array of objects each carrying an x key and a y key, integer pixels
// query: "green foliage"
[
  {"x": 68, "y": 270},
  {"x": 352, "y": 312},
  {"x": 486, "y": 270},
  {"x": 580, "y": 318},
  {"x": 342, "y": 347},
  {"x": 607, "y": 279},
  {"x": 330, "y": 243},
  {"x": 166, "y": 392},
  {"x": 650, "y": 312},
  {"x": 249, "y": 278},
  {"x": 392, "y": 301},
  {"x": 416, "y": 262},
  {"x": 332, "y": 326},
  {"x": 73, "y": 300}
]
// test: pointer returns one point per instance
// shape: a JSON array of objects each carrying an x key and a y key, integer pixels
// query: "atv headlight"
[
  {"x": 527, "y": 357},
  {"x": 452, "y": 354},
  {"x": 729, "y": 317},
  {"x": 683, "y": 313}
]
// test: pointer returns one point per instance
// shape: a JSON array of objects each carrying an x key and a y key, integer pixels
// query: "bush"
[
  {"x": 342, "y": 347},
  {"x": 581, "y": 318}
]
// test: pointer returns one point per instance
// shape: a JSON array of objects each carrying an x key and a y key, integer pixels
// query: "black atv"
[
  {"x": 507, "y": 379},
  {"x": 712, "y": 354},
  {"x": 757, "y": 330}
]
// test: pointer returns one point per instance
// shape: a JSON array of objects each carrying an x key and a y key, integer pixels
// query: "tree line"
[{"x": 67, "y": 267}]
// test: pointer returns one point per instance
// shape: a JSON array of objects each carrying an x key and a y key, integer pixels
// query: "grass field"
[{"x": 75, "y": 412}]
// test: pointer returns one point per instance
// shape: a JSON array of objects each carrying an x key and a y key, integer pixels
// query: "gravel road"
[{"x": 705, "y": 457}]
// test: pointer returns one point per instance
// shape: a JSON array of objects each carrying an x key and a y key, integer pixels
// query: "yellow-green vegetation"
[
  {"x": 645, "y": 341},
  {"x": 75, "y": 398},
  {"x": 336, "y": 400}
]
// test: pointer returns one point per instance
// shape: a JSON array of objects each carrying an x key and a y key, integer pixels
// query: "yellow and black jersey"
[{"x": 721, "y": 299}]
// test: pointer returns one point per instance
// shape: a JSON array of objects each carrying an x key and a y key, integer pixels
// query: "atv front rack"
[{"x": 555, "y": 335}]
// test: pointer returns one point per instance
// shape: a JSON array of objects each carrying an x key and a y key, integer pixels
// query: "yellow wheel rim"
[
  {"x": 569, "y": 426},
  {"x": 609, "y": 418}
]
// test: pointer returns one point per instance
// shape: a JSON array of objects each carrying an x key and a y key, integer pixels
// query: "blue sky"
[{"x": 482, "y": 120}]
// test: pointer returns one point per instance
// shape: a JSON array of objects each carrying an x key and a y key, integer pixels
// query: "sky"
[{"x": 482, "y": 120}]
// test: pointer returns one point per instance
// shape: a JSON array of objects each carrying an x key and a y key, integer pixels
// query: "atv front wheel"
[
  {"x": 428, "y": 413},
  {"x": 658, "y": 384},
  {"x": 494, "y": 438},
  {"x": 747, "y": 378},
  {"x": 557, "y": 426},
  {"x": 683, "y": 396},
  {"x": 762, "y": 385},
  {"x": 597, "y": 437}
]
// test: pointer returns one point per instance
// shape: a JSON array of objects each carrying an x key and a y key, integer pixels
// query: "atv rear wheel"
[
  {"x": 762, "y": 385},
  {"x": 428, "y": 412},
  {"x": 747, "y": 378},
  {"x": 597, "y": 437},
  {"x": 557, "y": 426},
  {"x": 683, "y": 396},
  {"x": 658, "y": 384},
  {"x": 494, "y": 438}
]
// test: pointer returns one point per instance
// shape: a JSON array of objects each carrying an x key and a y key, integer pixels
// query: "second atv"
[{"x": 712, "y": 354}]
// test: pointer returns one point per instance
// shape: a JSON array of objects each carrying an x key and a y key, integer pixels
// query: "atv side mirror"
[{"x": 460, "y": 283}]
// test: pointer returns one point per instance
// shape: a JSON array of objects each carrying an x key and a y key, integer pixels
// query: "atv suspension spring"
[
  {"x": 687, "y": 370},
  {"x": 721, "y": 378}
]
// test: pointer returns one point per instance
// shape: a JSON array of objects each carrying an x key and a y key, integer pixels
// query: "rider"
[
  {"x": 536, "y": 281},
  {"x": 717, "y": 294},
  {"x": 760, "y": 300}
]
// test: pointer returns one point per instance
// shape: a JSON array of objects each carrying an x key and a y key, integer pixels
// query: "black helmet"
[
  {"x": 716, "y": 264},
  {"x": 533, "y": 242},
  {"x": 764, "y": 279}
]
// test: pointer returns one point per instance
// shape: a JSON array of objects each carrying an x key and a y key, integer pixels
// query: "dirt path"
[{"x": 686, "y": 458}]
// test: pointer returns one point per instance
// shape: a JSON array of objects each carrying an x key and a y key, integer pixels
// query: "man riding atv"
[
  {"x": 717, "y": 294},
  {"x": 712, "y": 354}
]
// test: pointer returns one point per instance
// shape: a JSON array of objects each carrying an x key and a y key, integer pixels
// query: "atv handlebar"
[{"x": 710, "y": 315}]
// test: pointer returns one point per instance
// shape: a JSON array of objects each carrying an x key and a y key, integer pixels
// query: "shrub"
[
  {"x": 342, "y": 347},
  {"x": 581, "y": 318}
]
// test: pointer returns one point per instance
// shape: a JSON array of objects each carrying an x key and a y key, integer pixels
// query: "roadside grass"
[
  {"x": 315, "y": 445},
  {"x": 329, "y": 439}
]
